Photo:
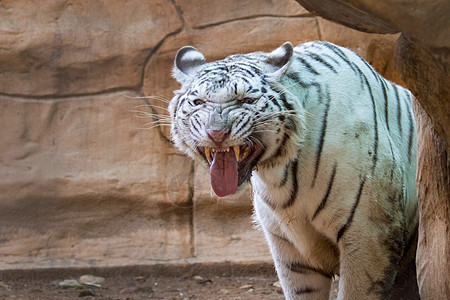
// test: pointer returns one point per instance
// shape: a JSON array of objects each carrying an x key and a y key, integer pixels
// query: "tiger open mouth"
[
  {"x": 238, "y": 154},
  {"x": 230, "y": 167}
]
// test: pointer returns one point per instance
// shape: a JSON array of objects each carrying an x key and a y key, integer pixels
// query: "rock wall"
[
  {"x": 433, "y": 180},
  {"x": 86, "y": 176}
]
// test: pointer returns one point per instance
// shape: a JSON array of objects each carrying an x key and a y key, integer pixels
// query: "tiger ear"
[
  {"x": 187, "y": 61},
  {"x": 278, "y": 60}
]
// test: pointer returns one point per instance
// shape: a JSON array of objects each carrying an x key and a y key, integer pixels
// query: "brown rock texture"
[
  {"x": 389, "y": 16},
  {"x": 86, "y": 176},
  {"x": 426, "y": 72},
  {"x": 434, "y": 210},
  {"x": 57, "y": 47},
  {"x": 423, "y": 59},
  {"x": 82, "y": 185}
]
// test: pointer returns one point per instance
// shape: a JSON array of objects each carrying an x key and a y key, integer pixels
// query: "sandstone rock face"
[
  {"x": 427, "y": 74},
  {"x": 82, "y": 185},
  {"x": 79, "y": 47},
  {"x": 389, "y": 16},
  {"x": 86, "y": 178},
  {"x": 433, "y": 179},
  {"x": 213, "y": 12}
]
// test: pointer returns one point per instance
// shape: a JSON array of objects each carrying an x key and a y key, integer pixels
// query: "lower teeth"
[{"x": 210, "y": 153}]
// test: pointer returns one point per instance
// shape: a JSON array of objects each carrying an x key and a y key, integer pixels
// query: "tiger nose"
[{"x": 217, "y": 136}]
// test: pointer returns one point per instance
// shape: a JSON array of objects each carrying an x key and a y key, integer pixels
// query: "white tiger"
[{"x": 330, "y": 149}]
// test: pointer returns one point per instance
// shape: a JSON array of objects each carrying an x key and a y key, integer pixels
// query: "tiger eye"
[
  {"x": 198, "y": 102},
  {"x": 248, "y": 100}
]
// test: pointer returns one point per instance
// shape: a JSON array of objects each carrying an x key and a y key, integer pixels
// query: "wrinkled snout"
[{"x": 217, "y": 136}]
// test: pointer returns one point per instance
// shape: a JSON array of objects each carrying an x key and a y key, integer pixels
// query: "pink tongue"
[{"x": 224, "y": 173}]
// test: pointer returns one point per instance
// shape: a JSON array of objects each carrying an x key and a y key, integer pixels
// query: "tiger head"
[{"x": 234, "y": 114}]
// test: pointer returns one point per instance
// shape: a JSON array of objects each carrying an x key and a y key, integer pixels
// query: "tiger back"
[{"x": 329, "y": 146}]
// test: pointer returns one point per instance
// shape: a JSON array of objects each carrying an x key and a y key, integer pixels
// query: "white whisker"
[
  {"x": 160, "y": 98},
  {"x": 154, "y": 126},
  {"x": 152, "y": 106}
]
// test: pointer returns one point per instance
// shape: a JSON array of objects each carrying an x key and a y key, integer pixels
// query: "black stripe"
[
  {"x": 203, "y": 80},
  {"x": 175, "y": 112},
  {"x": 306, "y": 290},
  {"x": 344, "y": 57},
  {"x": 243, "y": 125},
  {"x": 318, "y": 86},
  {"x": 386, "y": 104},
  {"x": 331, "y": 58},
  {"x": 243, "y": 63},
  {"x": 195, "y": 133},
  {"x": 307, "y": 65},
  {"x": 399, "y": 109},
  {"x": 294, "y": 185},
  {"x": 375, "y": 124},
  {"x": 274, "y": 99},
  {"x": 371, "y": 69},
  {"x": 285, "y": 175},
  {"x": 410, "y": 135},
  {"x": 282, "y": 238},
  {"x": 339, "y": 53},
  {"x": 196, "y": 124},
  {"x": 196, "y": 119},
  {"x": 186, "y": 122},
  {"x": 393, "y": 159},
  {"x": 327, "y": 193},
  {"x": 352, "y": 212},
  {"x": 222, "y": 67},
  {"x": 361, "y": 75},
  {"x": 322, "y": 136},
  {"x": 201, "y": 153},
  {"x": 352, "y": 65},
  {"x": 323, "y": 62},
  {"x": 285, "y": 102},
  {"x": 281, "y": 148},
  {"x": 261, "y": 111},
  {"x": 289, "y": 124},
  {"x": 254, "y": 69},
  {"x": 187, "y": 146},
  {"x": 263, "y": 118},
  {"x": 294, "y": 76},
  {"x": 206, "y": 80},
  {"x": 305, "y": 269},
  {"x": 180, "y": 103},
  {"x": 244, "y": 79},
  {"x": 269, "y": 203},
  {"x": 245, "y": 70}
]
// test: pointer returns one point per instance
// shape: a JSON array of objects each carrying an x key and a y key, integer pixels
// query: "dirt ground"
[{"x": 198, "y": 281}]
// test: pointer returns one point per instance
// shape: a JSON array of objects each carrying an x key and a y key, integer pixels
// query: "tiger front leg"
[
  {"x": 298, "y": 278},
  {"x": 369, "y": 262}
]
